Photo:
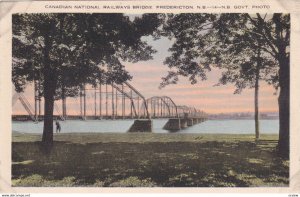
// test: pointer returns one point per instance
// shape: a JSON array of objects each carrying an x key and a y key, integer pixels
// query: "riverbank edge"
[{"x": 91, "y": 137}]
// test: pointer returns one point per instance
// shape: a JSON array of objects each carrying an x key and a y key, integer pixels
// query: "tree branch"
[
  {"x": 267, "y": 34},
  {"x": 262, "y": 34}
]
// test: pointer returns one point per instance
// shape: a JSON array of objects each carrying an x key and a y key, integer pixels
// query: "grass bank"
[{"x": 148, "y": 160}]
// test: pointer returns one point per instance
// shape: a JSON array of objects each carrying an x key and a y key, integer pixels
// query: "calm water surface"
[{"x": 121, "y": 126}]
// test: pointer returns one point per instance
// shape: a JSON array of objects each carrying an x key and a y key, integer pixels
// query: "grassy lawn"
[{"x": 148, "y": 160}]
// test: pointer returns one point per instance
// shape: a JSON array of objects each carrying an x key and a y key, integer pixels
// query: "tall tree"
[
  {"x": 64, "y": 51},
  {"x": 197, "y": 45},
  {"x": 246, "y": 63}
]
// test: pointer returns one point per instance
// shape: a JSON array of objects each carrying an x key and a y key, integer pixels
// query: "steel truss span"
[{"x": 107, "y": 101}]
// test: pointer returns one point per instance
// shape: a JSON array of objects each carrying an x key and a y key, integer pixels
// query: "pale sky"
[
  {"x": 147, "y": 77},
  {"x": 203, "y": 95}
]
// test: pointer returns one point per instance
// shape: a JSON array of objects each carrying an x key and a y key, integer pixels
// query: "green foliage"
[
  {"x": 191, "y": 34},
  {"x": 248, "y": 47},
  {"x": 63, "y": 52},
  {"x": 227, "y": 41},
  {"x": 83, "y": 48}
]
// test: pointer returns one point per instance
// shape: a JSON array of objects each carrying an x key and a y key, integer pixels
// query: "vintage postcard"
[{"x": 150, "y": 96}]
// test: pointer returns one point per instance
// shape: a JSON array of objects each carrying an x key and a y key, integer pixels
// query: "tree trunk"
[
  {"x": 63, "y": 99},
  {"x": 36, "y": 98},
  {"x": 49, "y": 92},
  {"x": 48, "y": 115},
  {"x": 65, "y": 108},
  {"x": 84, "y": 102},
  {"x": 256, "y": 115},
  {"x": 284, "y": 107}
]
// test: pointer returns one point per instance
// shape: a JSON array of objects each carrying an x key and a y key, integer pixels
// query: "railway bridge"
[{"x": 114, "y": 101}]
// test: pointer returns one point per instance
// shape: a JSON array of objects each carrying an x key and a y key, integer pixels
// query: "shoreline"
[{"x": 91, "y": 137}]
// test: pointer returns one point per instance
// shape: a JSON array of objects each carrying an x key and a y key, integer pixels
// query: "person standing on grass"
[{"x": 58, "y": 128}]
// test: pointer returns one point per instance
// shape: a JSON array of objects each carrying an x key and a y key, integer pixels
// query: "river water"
[{"x": 122, "y": 126}]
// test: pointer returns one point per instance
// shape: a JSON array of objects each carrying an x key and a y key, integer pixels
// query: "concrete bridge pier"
[
  {"x": 183, "y": 123},
  {"x": 176, "y": 124},
  {"x": 141, "y": 125},
  {"x": 195, "y": 121},
  {"x": 190, "y": 122},
  {"x": 173, "y": 124}
]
